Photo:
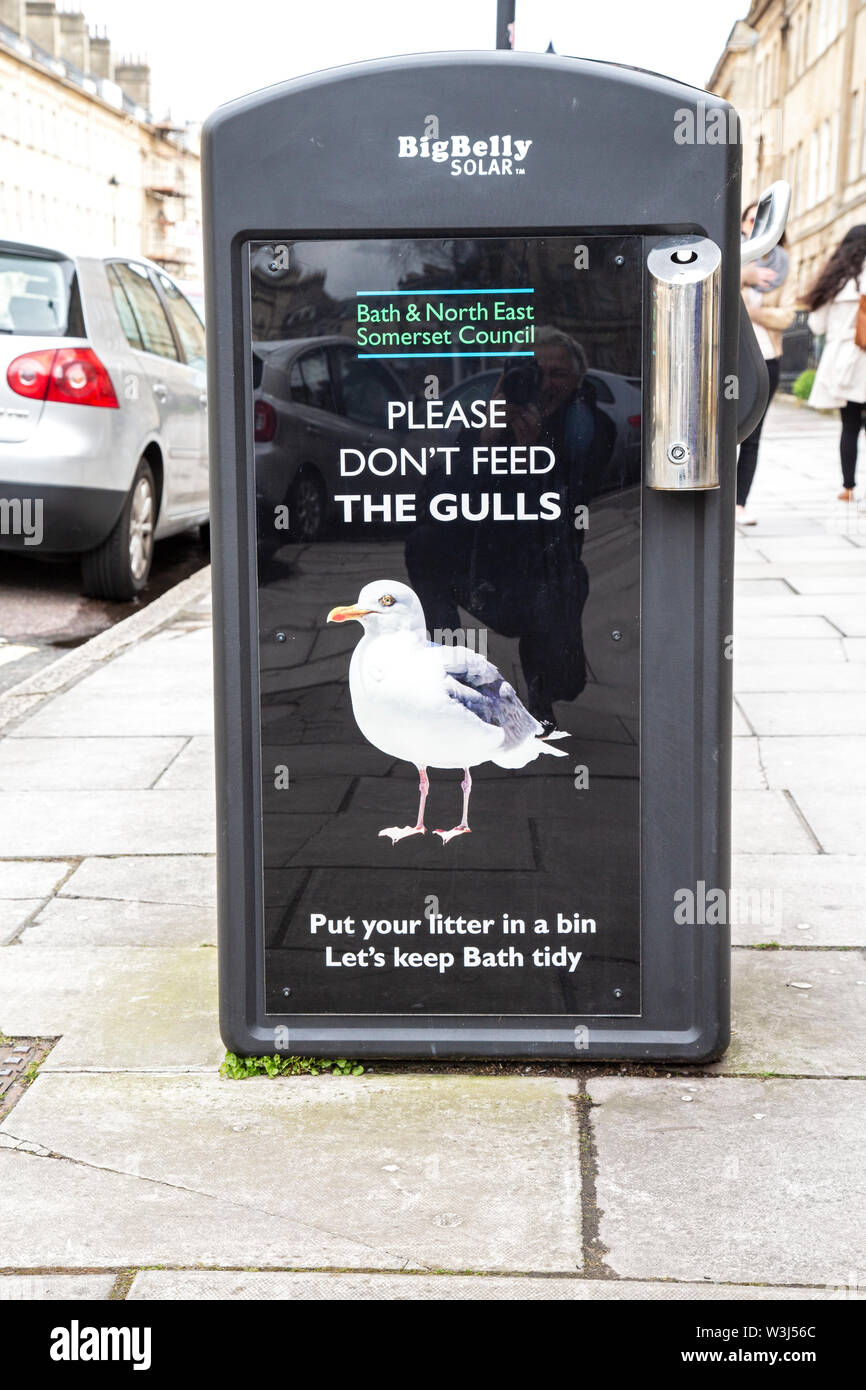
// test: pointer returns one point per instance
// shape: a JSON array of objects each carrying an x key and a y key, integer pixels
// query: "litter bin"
[{"x": 478, "y": 368}]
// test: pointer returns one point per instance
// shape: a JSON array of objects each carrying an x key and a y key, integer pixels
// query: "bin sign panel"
[{"x": 447, "y": 472}]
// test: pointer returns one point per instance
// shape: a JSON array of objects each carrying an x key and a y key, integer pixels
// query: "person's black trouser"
[
  {"x": 852, "y": 418},
  {"x": 748, "y": 459}
]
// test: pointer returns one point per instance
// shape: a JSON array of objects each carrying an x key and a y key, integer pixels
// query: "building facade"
[
  {"x": 83, "y": 164},
  {"x": 796, "y": 71}
]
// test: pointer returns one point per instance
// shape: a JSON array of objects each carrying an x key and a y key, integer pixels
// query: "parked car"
[
  {"x": 103, "y": 402},
  {"x": 313, "y": 397}
]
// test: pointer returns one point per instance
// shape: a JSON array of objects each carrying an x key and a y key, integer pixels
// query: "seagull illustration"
[{"x": 431, "y": 705}]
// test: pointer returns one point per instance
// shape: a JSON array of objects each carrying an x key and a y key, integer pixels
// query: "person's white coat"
[{"x": 841, "y": 374}]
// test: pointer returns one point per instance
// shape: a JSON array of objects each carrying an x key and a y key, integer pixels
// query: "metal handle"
[
  {"x": 685, "y": 299},
  {"x": 160, "y": 391},
  {"x": 771, "y": 215}
]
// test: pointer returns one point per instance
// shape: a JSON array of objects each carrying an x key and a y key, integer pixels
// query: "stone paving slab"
[
  {"x": 57, "y": 1212},
  {"x": 13, "y": 915},
  {"x": 118, "y": 822},
  {"x": 837, "y": 818},
  {"x": 829, "y": 583},
  {"x": 785, "y": 626},
  {"x": 114, "y": 1008},
  {"x": 193, "y": 769},
  {"x": 807, "y": 900},
  {"x": 850, "y": 622},
  {"x": 801, "y": 715},
  {"x": 747, "y": 772},
  {"x": 775, "y": 649},
  {"x": 148, "y": 691},
  {"x": 823, "y": 761},
  {"x": 702, "y": 1189},
  {"x": 30, "y": 878},
  {"x": 27, "y": 764},
  {"x": 454, "y": 1172},
  {"x": 765, "y": 822},
  {"x": 266, "y": 1286},
  {"x": 95, "y": 922},
  {"x": 797, "y": 1013},
  {"x": 170, "y": 878},
  {"x": 786, "y": 604},
  {"x": 784, "y": 676},
  {"x": 43, "y": 1288}
]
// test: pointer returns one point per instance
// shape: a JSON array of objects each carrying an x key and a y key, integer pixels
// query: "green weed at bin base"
[
  {"x": 802, "y": 387},
  {"x": 236, "y": 1068}
]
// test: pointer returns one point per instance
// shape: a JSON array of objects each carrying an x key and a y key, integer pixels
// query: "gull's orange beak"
[{"x": 343, "y": 615}]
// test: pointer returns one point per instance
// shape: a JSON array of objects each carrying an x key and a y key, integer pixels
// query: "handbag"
[{"x": 860, "y": 329}]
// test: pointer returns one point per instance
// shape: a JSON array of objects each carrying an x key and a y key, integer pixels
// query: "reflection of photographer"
[{"x": 527, "y": 580}]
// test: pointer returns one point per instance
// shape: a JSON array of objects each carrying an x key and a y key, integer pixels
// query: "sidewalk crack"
[{"x": 227, "y": 1202}]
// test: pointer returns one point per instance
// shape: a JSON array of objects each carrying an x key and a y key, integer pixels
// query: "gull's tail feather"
[
  {"x": 526, "y": 752},
  {"x": 543, "y": 747}
]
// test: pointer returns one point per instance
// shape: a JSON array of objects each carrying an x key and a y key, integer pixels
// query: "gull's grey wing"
[{"x": 475, "y": 683}]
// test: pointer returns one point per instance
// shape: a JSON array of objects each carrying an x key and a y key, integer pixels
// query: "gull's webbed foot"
[
  {"x": 395, "y": 832},
  {"x": 449, "y": 834}
]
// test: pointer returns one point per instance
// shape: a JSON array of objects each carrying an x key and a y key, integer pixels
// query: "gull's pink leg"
[
  {"x": 400, "y": 832},
  {"x": 462, "y": 828}
]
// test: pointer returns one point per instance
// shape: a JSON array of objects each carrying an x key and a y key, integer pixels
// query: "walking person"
[
  {"x": 762, "y": 293},
  {"x": 840, "y": 380}
]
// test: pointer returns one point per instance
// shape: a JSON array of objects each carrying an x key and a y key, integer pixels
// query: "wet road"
[{"x": 43, "y": 614}]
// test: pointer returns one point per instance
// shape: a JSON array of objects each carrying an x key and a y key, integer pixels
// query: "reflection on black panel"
[{"x": 447, "y": 454}]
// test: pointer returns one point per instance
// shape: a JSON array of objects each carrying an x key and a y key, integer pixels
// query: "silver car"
[{"x": 103, "y": 412}]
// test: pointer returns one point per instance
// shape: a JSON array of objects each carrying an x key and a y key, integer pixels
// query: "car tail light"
[
  {"x": 71, "y": 376},
  {"x": 29, "y": 375},
  {"x": 264, "y": 422},
  {"x": 634, "y": 422}
]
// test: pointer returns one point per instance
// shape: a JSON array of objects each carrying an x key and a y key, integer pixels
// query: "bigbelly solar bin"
[{"x": 478, "y": 369}]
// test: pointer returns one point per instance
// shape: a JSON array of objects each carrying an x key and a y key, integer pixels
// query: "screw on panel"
[{"x": 616, "y": 635}]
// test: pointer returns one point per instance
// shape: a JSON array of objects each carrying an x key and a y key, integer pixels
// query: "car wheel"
[
  {"x": 120, "y": 567},
  {"x": 307, "y": 506}
]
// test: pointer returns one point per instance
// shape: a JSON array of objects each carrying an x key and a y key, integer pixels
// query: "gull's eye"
[{"x": 387, "y": 600}]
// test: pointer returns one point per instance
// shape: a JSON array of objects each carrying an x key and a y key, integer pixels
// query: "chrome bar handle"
[
  {"x": 684, "y": 302},
  {"x": 771, "y": 215}
]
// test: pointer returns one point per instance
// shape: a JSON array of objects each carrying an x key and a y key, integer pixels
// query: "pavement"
[
  {"x": 130, "y": 1170},
  {"x": 43, "y": 612}
]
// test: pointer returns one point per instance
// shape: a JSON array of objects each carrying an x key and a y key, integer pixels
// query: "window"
[
  {"x": 365, "y": 389},
  {"x": 823, "y": 162},
  {"x": 38, "y": 296},
  {"x": 854, "y": 137},
  {"x": 150, "y": 318},
  {"x": 812, "y": 188},
  {"x": 124, "y": 309},
  {"x": 189, "y": 326},
  {"x": 310, "y": 381}
]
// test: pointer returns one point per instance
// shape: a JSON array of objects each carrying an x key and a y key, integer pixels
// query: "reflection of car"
[
  {"x": 312, "y": 398},
  {"x": 618, "y": 396},
  {"x": 103, "y": 443}
]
